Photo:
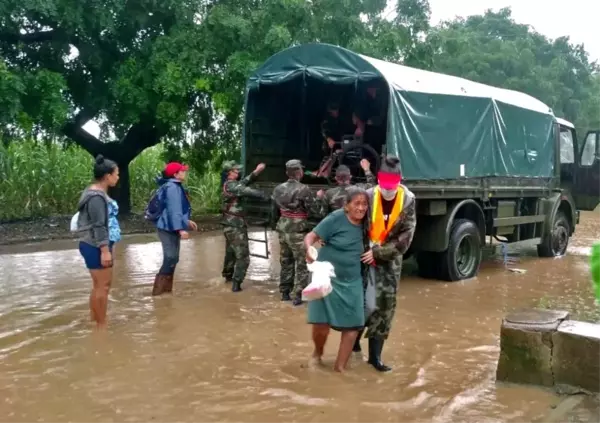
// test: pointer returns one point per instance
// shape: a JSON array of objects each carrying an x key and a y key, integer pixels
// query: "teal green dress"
[{"x": 343, "y": 308}]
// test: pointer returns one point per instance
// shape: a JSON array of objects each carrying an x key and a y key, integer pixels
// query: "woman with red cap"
[
  {"x": 172, "y": 224},
  {"x": 392, "y": 223}
]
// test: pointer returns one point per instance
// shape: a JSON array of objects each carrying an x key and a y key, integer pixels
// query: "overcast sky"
[{"x": 579, "y": 19}]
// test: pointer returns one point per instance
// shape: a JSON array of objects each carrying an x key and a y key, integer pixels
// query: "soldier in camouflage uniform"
[
  {"x": 334, "y": 198},
  {"x": 392, "y": 223},
  {"x": 237, "y": 253},
  {"x": 293, "y": 203}
]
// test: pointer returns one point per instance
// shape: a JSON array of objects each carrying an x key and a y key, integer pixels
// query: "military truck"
[{"x": 486, "y": 164}]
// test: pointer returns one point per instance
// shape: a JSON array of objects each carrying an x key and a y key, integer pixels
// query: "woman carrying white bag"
[{"x": 342, "y": 233}]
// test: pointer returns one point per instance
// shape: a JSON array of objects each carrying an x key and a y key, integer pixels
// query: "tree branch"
[
  {"x": 29, "y": 38},
  {"x": 74, "y": 130},
  {"x": 141, "y": 136}
]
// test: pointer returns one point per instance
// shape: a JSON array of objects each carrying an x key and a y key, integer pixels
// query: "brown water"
[{"x": 206, "y": 354}]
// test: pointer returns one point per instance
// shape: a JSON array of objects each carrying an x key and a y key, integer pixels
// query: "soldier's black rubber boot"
[
  {"x": 375, "y": 348},
  {"x": 236, "y": 287},
  {"x": 285, "y": 296},
  {"x": 297, "y": 301},
  {"x": 357, "y": 347}
]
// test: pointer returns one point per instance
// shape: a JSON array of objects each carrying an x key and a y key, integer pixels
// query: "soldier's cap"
[
  {"x": 294, "y": 164},
  {"x": 231, "y": 165},
  {"x": 342, "y": 170}
]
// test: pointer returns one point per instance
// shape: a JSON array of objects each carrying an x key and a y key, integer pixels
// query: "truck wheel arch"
[
  {"x": 466, "y": 209},
  {"x": 433, "y": 232},
  {"x": 552, "y": 205}
]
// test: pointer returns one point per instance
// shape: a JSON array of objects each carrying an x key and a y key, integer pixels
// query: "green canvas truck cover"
[{"x": 441, "y": 126}]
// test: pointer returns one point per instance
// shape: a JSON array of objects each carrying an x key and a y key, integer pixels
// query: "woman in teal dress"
[{"x": 343, "y": 235}]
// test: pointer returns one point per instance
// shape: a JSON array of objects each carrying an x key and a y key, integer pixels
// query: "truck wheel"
[
  {"x": 557, "y": 241},
  {"x": 462, "y": 258}
]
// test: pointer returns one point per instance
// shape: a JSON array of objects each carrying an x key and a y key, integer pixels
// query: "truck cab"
[{"x": 580, "y": 165}]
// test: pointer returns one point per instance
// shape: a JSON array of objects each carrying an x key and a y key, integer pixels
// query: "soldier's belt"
[{"x": 294, "y": 215}]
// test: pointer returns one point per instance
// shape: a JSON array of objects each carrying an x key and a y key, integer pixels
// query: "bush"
[{"x": 39, "y": 180}]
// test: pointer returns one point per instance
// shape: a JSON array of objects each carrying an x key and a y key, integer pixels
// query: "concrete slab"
[
  {"x": 526, "y": 346},
  {"x": 576, "y": 355}
]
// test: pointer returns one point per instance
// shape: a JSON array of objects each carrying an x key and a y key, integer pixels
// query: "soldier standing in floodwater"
[
  {"x": 334, "y": 197},
  {"x": 392, "y": 223},
  {"x": 235, "y": 229},
  {"x": 293, "y": 203}
]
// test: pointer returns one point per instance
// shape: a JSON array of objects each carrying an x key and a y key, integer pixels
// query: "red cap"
[{"x": 172, "y": 168}]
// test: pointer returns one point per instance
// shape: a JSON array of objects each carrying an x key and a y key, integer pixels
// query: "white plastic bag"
[
  {"x": 320, "y": 281},
  {"x": 75, "y": 222}
]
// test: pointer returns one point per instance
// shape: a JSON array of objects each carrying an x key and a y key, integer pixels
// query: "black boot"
[
  {"x": 357, "y": 347},
  {"x": 298, "y": 300},
  {"x": 236, "y": 286},
  {"x": 375, "y": 348},
  {"x": 285, "y": 296}
]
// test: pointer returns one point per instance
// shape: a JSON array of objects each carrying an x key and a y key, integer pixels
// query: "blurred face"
[
  {"x": 181, "y": 175},
  {"x": 112, "y": 178},
  {"x": 334, "y": 112},
  {"x": 388, "y": 194},
  {"x": 357, "y": 207},
  {"x": 233, "y": 174}
]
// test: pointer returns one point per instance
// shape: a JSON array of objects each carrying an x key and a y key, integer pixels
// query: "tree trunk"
[
  {"x": 140, "y": 136},
  {"x": 122, "y": 192}
]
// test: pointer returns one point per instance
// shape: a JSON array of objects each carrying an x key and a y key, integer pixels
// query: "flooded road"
[{"x": 206, "y": 354}]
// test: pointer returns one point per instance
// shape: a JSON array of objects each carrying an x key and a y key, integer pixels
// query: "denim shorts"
[{"x": 91, "y": 255}]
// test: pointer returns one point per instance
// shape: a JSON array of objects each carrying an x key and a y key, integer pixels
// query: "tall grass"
[{"x": 37, "y": 180}]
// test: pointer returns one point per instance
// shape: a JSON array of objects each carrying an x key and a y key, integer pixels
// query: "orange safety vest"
[{"x": 378, "y": 231}]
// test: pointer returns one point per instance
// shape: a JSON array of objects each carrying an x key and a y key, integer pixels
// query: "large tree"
[
  {"x": 128, "y": 64},
  {"x": 150, "y": 70},
  {"x": 494, "y": 49}
]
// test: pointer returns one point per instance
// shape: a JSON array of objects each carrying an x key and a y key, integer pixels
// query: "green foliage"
[
  {"x": 494, "y": 49},
  {"x": 38, "y": 180},
  {"x": 175, "y": 70}
]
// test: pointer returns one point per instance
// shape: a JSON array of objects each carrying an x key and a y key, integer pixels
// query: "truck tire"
[
  {"x": 462, "y": 258},
  {"x": 557, "y": 242}
]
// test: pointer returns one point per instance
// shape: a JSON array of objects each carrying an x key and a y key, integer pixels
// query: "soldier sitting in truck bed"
[
  {"x": 332, "y": 130},
  {"x": 369, "y": 116}
]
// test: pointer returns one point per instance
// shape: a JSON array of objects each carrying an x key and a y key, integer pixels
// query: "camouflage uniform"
[
  {"x": 336, "y": 197},
  {"x": 388, "y": 269},
  {"x": 235, "y": 229},
  {"x": 387, "y": 272},
  {"x": 293, "y": 203}
]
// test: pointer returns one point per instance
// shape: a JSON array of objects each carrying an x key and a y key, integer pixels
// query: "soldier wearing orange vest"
[{"x": 392, "y": 223}]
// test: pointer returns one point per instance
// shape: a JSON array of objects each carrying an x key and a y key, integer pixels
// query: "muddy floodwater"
[{"x": 206, "y": 354}]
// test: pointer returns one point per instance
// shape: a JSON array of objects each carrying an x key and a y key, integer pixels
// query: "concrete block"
[
  {"x": 576, "y": 355},
  {"x": 526, "y": 346}
]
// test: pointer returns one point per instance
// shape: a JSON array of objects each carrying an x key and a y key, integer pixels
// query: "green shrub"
[{"x": 39, "y": 180}]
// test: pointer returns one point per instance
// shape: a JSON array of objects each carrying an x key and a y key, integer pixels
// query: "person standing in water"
[
  {"x": 392, "y": 223},
  {"x": 235, "y": 228},
  {"x": 172, "y": 224},
  {"x": 95, "y": 245},
  {"x": 342, "y": 233},
  {"x": 293, "y": 203}
]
